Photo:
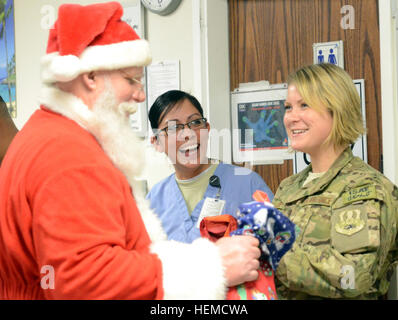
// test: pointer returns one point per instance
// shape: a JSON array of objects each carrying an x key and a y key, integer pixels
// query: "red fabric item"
[
  {"x": 260, "y": 196},
  {"x": 101, "y": 23},
  {"x": 64, "y": 204},
  {"x": 214, "y": 228}
]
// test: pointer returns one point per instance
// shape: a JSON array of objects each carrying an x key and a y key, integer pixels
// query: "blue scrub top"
[{"x": 237, "y": 186}]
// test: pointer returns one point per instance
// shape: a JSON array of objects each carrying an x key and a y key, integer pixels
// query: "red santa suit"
[
  {"x": 64, "y": 204},
  {"x": 72, "y": 225}
]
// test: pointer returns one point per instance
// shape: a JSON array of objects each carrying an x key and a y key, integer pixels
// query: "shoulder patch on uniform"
[
  {"x": 349, "y": 222},
  {"x": 359, "y": 193}
]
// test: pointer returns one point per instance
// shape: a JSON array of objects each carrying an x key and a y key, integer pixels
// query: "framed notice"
[
  {"x": 258, "y": 133},
  {"x": 162, "y": 77}
]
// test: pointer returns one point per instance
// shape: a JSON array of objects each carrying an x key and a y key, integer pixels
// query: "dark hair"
[
  {"x": 3, "y": 109},
  {"x": 166, "y": 102}
]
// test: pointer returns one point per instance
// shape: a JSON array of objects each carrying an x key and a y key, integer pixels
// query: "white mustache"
[{"x": 128, "y": 108}]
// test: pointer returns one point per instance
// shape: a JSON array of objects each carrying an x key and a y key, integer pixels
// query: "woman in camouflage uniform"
[{"x": 345, "y": 210}]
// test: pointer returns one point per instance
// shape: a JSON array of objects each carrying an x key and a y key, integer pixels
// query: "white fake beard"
[{"x": 112, "y": 130}]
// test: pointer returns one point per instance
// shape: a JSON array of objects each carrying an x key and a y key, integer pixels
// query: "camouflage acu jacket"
[{"x": 347, "y": 242}]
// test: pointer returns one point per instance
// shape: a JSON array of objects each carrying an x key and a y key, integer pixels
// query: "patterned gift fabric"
[
  {"x": 216, "y": 227},
  {"x": 275, "y": 231},
  {"x": 261, "y": 289}
]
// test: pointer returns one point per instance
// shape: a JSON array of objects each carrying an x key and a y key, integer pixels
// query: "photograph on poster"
[
  {"x": 257, "y": 122},
  {"x": 7, "y": 56},
  {"x": 261, "y": 125}
]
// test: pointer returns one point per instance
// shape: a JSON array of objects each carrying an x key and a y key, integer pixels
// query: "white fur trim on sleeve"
[
  {"x": 191, "y": 271},
  {"x": 152, "y": 222}
]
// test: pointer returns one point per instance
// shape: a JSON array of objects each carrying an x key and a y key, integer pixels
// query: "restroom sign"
[
  {"x": 359, "y": 148},
  {"x": 329, "y": 52}
]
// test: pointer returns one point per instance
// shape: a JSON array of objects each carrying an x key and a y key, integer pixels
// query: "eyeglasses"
[
  {"x": 173, "y": 128},
  {"x": 133, "y": 80}
]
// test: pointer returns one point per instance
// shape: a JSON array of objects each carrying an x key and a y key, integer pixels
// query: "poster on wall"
[
  {"x": 259, "y": 135},
  {"x": 7, "y": 56}
]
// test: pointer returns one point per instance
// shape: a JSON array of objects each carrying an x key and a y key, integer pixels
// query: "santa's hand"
[{"x": 240, "y": 256}]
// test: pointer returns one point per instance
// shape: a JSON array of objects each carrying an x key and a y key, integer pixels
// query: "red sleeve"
[{"x": 87, "y": 227}]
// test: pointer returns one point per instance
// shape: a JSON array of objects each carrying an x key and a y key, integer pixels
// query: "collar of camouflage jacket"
[{"x": 294, "y": 190}]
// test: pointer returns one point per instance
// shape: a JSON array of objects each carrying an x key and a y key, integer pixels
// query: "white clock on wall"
[{"x": 162, "y": 7}]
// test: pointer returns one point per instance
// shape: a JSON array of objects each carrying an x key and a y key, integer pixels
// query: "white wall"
[
  {"x": 215, "y": 76},
  {"x": 30, "y": 45},
  {"x": 388, "y": 15},
  {"x": 170, "y": 38}
]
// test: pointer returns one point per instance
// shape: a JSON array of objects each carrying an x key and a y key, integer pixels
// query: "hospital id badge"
[{"x": 211, "y": 207}]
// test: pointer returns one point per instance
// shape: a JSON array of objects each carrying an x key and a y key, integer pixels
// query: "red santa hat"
[{"x": 88, "y": 38}]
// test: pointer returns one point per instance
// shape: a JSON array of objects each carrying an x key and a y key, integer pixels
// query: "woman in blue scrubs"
[{"x": 199, "y": 187}]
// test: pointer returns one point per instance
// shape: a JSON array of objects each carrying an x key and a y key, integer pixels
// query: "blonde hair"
[{"x": 326, "y": 86}]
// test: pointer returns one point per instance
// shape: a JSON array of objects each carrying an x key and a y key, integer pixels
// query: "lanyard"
[{"x": 214, "y": 181}]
